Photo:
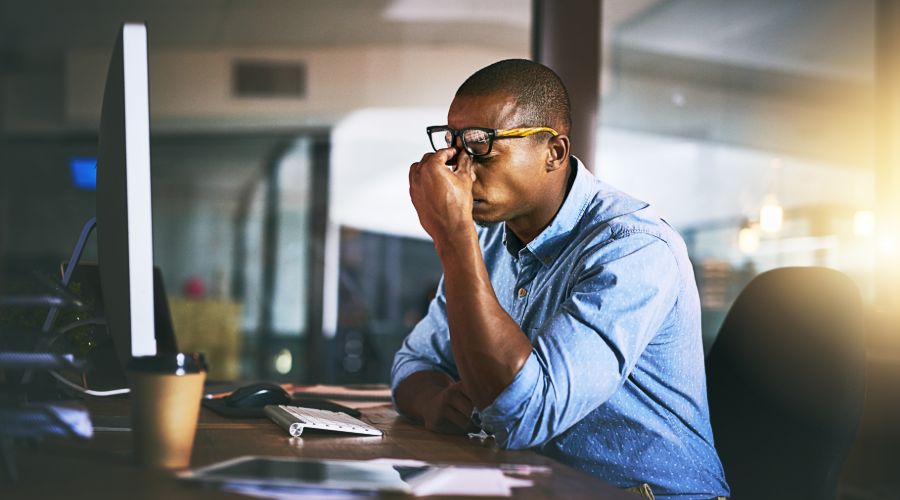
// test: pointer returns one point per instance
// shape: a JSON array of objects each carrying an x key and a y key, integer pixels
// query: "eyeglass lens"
[{"x": 476, "y": 142}]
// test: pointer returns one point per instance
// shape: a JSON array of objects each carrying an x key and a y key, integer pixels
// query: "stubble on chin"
[
  {"x": 484, "y": 220},
  {"x": 479, "y": 221}
]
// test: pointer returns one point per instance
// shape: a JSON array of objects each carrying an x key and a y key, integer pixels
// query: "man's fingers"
[
  {"x": 446, "y": 154},
  {"x": 413, "y": 171},
  {"x": 441, "y": 156},
  {"x": 465, "y": 169},
  {"x": 456, "y": 409},
  {"x": 460, "y": 402},
  {"x": 458, "y": 390},
  {"x": 438, "y": 158},
  {"x": 461, "y": 421},
  {"x": 449, "y": 420}
]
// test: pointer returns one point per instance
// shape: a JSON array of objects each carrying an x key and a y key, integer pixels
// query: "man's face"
[{"x": 510, "y": 181}]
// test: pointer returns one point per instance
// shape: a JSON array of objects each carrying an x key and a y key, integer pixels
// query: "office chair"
[{"x": 786, "y": 382}]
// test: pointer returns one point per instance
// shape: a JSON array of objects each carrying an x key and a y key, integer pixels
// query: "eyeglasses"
[{"x": 478, "y": 141}]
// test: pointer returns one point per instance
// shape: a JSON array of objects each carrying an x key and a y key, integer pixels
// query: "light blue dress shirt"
[{"x": 615, "y": 383}]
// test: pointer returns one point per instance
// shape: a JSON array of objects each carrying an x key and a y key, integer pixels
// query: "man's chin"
[
  {"x": 484, "y": 220},
  {"x": 483, "y": 216}
]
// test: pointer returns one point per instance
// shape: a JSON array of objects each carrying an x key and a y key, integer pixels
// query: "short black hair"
[{"x": 540, "y": 95}]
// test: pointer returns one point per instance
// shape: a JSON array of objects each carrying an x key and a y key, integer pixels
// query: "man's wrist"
[{"x": 456, "y": 242}]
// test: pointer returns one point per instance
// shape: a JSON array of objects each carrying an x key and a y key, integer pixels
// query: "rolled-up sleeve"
[
  {"x": 427, "y": 347},
  {"x": 621, "y": 294}
]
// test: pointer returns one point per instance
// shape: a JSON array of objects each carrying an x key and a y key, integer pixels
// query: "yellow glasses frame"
[{"x": 490, "y": 135}]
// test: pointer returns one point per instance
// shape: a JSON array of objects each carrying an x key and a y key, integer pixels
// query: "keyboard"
[{"x": 295, "y": 419}]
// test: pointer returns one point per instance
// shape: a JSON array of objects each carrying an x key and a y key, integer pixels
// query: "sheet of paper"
[
  {"x": 460, "y": 480},
  {"x": 272, "y": 493},
  {"x": 353, "y": 393},
  {"x": 466, "y": 481},
  {"x": 357, "y": 397},
  {"x": 449, "y": 480}
]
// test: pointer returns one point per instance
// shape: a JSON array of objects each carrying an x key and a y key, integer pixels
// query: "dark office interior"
[{"x": 764, "y": 131}]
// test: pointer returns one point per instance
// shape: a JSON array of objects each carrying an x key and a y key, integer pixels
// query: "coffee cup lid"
[{"x": 176, "y": 363}]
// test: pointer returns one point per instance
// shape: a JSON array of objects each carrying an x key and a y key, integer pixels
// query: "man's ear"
[{"x": 557, "y": 152}]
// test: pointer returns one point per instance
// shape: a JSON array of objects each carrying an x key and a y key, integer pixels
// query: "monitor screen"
[{"x": 124, "y": 224}]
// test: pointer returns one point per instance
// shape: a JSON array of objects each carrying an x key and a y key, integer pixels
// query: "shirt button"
[{"x": 522, "y": 292}]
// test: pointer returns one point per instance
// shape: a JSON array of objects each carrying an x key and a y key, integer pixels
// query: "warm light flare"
[
  {"x": 771, "y": 216},
  {"x": 748, "y": 240},
  {"x": 864, "y": 223},
  {"x": 887, "y": 245},
  {"x": 284, "y": 361}
]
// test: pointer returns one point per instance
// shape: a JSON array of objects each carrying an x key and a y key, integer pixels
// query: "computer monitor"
[{"x": 124, "y": 221}]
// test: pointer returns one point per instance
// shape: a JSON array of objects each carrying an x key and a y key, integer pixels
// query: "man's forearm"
[{"x": 488, "y": 346}]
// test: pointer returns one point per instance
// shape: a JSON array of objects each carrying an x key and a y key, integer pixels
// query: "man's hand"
[
  {"x": 437, "y": 401},
  {"x": 442, "y": 193},
  {"x": 450, "y": 412}
]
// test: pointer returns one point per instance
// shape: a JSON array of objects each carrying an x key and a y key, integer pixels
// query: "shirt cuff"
[{"x": 504, "y": 414}]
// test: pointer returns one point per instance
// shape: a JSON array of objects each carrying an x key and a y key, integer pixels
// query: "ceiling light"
[
  {"x": 748, "y": 240},
  {"x": 771, "y": 217}
]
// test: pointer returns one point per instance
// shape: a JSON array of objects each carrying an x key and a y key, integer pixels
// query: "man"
[{"x": 570, "y": 321}]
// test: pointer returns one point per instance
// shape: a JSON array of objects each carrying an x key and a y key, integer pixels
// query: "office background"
[
  {"x": 282, "y": 132},
  {"x": 749, "y": 125}
]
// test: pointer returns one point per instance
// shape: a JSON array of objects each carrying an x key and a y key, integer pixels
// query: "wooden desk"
[{"x": 102, "y": 467}]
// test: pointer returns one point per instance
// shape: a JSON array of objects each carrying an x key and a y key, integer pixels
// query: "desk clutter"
[
  {"x": 456, "y": 466},
  {"x": 31, "y": 407},
  {"x": 272, "y": 401},
  {"x": 296, "y": 419},
  {"x": 35, "y": 405},
  {"x": 286, "y": 478}
]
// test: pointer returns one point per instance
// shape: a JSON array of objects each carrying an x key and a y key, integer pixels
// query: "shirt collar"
[{"x": 547, "y": 245}]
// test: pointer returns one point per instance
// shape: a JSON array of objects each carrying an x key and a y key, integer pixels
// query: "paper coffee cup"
[{"x": 166, "y": 390}]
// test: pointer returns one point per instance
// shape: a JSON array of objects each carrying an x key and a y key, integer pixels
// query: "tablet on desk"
[{"x": 272, "y": 472}]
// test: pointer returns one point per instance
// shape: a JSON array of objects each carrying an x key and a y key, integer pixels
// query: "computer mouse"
[{"x": 258, "y": 395}]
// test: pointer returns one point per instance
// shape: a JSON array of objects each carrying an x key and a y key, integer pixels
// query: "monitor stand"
[{"x": 70, "y": 268}]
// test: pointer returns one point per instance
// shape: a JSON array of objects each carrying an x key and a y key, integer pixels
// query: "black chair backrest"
[{"x": 786, "y": 383}]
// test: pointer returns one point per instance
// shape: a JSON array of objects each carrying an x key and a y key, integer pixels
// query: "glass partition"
[{"x": 749, "y": 126}]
